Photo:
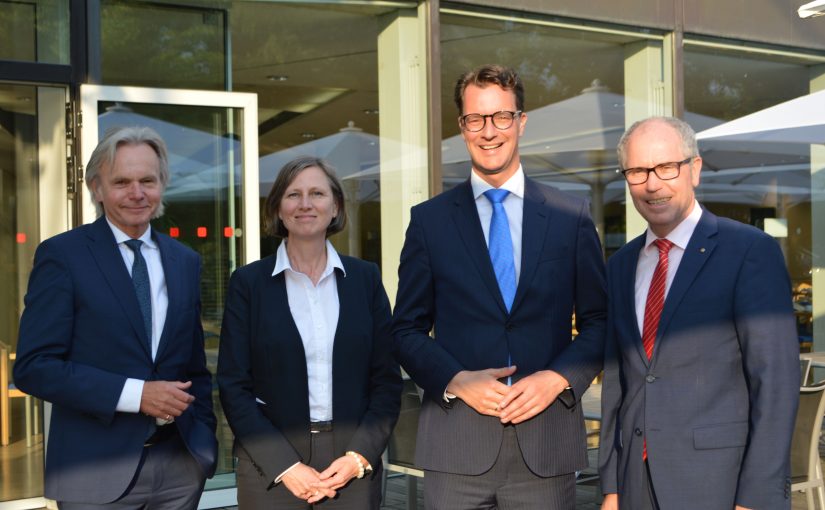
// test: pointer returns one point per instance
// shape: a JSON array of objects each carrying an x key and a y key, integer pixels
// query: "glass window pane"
[
  {"x": 202, "y": 207},
  {"x": 35, "y": 31},
  {"x": 574, "y": 99},
  {"x": 152, "y": 45},
  {"x": 28, "y": 117},
  {"x": 759, "y": 183},
  {"x": 316, "y": 76}
]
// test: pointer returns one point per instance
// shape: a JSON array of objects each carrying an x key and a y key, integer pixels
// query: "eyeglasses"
[
  {"x": 664, "y": 171},
  {"x": 501, "y": 120}
]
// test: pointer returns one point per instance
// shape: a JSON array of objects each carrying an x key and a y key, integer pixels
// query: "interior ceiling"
[{"x": 328, "y": 57}]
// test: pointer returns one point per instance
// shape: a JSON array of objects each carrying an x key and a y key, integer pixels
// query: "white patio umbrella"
[
  {"x": 800, "y": 120},
  {"x": 199, "y": 163},
  {"x": 355, "y": 155}
]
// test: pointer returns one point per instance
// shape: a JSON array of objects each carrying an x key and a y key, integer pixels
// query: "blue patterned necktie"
[
  {"x": 140, "y": 279},
  {"x": 501, "y": 246}
]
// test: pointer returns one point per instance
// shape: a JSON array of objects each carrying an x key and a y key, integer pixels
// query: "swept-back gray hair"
[
  {"x": 104, "y": 154},
  {"x": 689, "y": 146}
]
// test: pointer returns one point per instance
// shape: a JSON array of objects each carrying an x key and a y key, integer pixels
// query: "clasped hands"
[
  {"x": 482, "y": 390},
  {"x": 307, "y": 484}
]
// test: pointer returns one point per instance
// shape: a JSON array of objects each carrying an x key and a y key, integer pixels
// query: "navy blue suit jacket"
[
  {"x": 717, "y": 401},
  {"x": 82, "y": 336},
  {"x": 262, "y": 368},
  {"x": 447, "y": 282}
]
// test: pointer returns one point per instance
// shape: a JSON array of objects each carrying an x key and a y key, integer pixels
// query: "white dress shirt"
[
  {"x": 513, "y": 204},
  {"x": 315, "y": 311},
  {"x": 649, "y": 257},
  {"x": 129, "y": 401}
]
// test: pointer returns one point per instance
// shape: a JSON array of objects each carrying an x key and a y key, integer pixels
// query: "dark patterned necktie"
[{"x": 140, "y": 279}]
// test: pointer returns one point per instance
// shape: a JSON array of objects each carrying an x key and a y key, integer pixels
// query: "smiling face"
[
  {"x": 664, "y": 204},
  {"x": 493, "y": 151},
  {"x": 129, "y": 189},
  {"x": 308, "y": 205}
]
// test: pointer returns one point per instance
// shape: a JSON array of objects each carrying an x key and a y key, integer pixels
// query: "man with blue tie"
[
  {"x": 495, "y": 267},
  {"x": 111, "y": 336},
  {"x": 701, "y": 366}
]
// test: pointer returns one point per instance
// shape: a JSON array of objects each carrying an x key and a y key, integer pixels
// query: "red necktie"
[
  {"x": 655, "y": 303},
  {"x": 655, "y": 297}
]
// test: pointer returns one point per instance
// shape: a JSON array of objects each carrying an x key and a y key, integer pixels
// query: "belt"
[
  {"x": 320, "y": 426},
  {"x": 162, "y": 433}
]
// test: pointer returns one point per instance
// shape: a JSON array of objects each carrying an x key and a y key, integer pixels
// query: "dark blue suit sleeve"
[
  {"x": 582, "y": 360},
  {"x": 42, "y": 368},
  {"x": 422, "y": 357},
  {"x": 767, "y": 337},
  {"x": 373, "y": 432},
  {"x": 269, "y": 449}
]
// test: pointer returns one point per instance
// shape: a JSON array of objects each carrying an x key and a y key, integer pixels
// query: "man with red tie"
[{"x": 701, "y": 359}]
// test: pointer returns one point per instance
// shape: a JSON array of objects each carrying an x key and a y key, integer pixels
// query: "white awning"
[{"x": 800, "y": 120}]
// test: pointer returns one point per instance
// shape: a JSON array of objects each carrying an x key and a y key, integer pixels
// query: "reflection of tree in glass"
[{"x": 153, "y": 45}]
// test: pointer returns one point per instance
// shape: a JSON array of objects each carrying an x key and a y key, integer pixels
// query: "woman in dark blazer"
[{"x": 306, "y": 375}]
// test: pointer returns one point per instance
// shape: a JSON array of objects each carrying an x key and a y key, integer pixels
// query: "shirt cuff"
[
  {"x": 287, "y": 470},
  {"x": 448, "y": 396},
  {"x": 129, "y": 401}
]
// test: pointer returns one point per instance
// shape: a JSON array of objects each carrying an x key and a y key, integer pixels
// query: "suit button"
[
  {"x": 509, "y": 326},
  {"x": 650, "y": 378},
  {"x": 638, "y": 432}
]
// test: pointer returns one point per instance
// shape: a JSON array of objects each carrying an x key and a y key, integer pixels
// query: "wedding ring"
[{"x": 168, "y": 417}]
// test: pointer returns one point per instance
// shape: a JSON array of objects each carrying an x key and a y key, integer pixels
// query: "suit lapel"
[
  {"x": 627, "y": 285},
  {"x": 106, "y": 254},
  {"x": 533, "y": 233},
  {"x": 174, "y": 287},
  {"x": 465, "y": 215},
  {"x": 699, "y": 249}
]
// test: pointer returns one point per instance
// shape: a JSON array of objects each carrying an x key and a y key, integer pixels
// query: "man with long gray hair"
[{"x": 111, "y": 336}]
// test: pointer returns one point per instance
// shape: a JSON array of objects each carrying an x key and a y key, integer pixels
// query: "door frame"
[{"x": 90, "y": 95}]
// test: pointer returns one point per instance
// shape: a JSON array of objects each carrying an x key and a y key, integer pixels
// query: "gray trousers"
[
  {"x": 168, "y": 478},
  {"x": 508, "y": 485}
]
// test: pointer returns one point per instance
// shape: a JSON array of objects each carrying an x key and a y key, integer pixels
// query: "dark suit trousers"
[
  {"x": 168, "y": 478},
  {"x": 508, "y": 485},
  {"x": 363, "y": 494}
]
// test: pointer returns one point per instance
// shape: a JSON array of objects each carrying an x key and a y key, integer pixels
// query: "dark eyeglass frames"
[
  {"x": 474, "y": 122},
  {"x": 664, "y": 171}
]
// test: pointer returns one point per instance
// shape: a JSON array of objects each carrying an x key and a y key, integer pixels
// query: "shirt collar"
[
  {"x": 515, "y": 184},
  {"x": 333, "y": 261},
  {"x": 680, "y": 236},
  {"x": 121, "y": 237}
]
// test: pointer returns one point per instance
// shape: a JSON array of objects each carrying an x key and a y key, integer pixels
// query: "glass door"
[
  {"x": 211, "y": 202},
  {"x": 34, "y": 205}
]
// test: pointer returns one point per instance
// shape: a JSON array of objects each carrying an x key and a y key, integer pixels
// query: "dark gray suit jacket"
[
  {"x": 447, "y": 282},
  {"x": 717, "y": 402}
]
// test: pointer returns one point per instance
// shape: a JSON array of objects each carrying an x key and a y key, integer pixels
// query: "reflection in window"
[
  {"x": 35, "y": 31},
  {"x": 765, "y": 184},
  {"x": 316, "y": 77},
  {"x": 574, "y": 98},
  {"x": 153, "y": 45},
  {"x": 203, "y": 205}
]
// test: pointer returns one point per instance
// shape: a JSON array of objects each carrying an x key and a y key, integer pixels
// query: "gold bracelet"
[{"x": 361, "y": 467}]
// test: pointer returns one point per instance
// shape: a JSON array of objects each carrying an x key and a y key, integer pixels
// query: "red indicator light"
[
  {"x": 21, "y": 238},
  {"x": 228, "y": 231},
  {"x": 201, "y": 231},
  {"x": 174, "y": 232}
]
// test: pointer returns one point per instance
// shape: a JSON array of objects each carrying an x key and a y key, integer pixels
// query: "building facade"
[{"x": 237, "y": 88}]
